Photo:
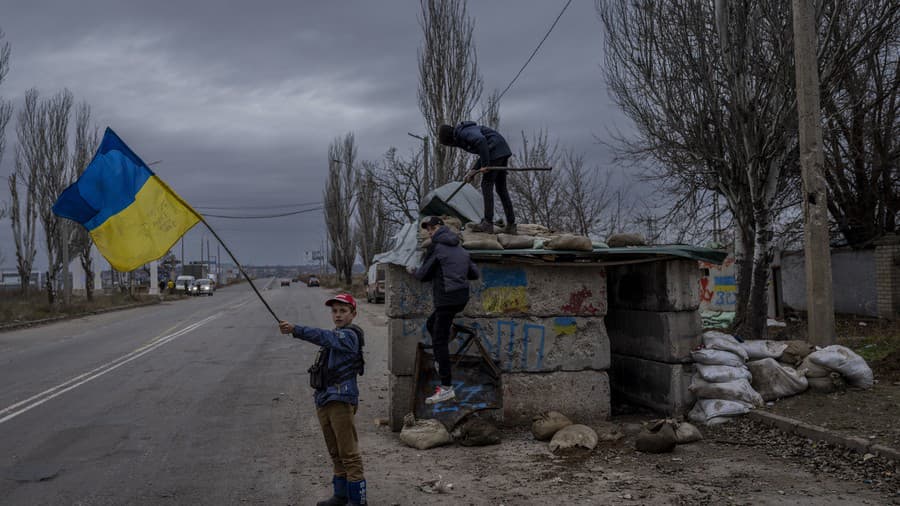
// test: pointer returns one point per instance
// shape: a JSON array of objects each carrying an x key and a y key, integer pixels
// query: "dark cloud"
[{"x": 240, "y": 100}]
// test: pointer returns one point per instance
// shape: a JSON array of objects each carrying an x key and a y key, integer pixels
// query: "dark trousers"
[
  {"x": 490, "y": 180},
  {"x": 438, "y": 326}
]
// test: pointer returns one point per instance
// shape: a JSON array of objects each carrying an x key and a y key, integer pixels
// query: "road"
[
  {"x": 187, "y": 402},
  {"x": 202, "y": 402}
]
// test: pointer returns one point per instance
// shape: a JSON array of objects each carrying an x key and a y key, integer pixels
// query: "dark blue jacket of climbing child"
[
  {"x": 448, "y": 266},
  {"x": 483, "y": 141}
]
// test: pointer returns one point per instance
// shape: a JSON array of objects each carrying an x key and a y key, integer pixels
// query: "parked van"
[
  {"x": 375, "y": 284},
  {"x": 183, "y": 283}
]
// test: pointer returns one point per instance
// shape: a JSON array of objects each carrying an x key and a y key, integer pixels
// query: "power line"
[
  {"x": 274, "y": 206},
  {"x": 256, "y": 217},
  {"x": 536, "y": 49}
]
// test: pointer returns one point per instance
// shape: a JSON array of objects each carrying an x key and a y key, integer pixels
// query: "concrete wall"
[
  {"x": 853, "y": 276},
  {"x": 887, "y": 274},
  {"x": 652, "y": 331},
  {"x": 543, "y": 323}
]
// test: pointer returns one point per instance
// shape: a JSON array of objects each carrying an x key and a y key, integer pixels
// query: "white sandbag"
[
  {"x": 515, "y": 241},
  {"x": 843, "y": 360},
  {"x": 716, "y": 411},
  {"x": 687, "y": 433},
  {"x": 479, "y": 240},
  {"x": 761, "y": 348},
  {"x": 716, "y": 357},
  {"x": 722, "y": 373},
  {"x": 812, "y": 370},
  {"x": 737, "y": 390},
  {"x": 774, "y": 381},
  {"x": 721, "y": 341},
  {"x": 425, "y": 434},
  {"x": 545, "y": 425}
]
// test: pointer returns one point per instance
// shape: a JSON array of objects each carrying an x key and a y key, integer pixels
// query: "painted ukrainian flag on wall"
[{"x": 132, "y": 215}]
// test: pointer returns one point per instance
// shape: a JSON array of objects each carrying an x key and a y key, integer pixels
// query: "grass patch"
[
  {"x": 16, "y": 308},
  {"x": 357, "y": 289}
]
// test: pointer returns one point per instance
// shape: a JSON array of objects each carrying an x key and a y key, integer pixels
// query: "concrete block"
[
  {"x": 562, "y": 343},
  {"x": 671, "y": 285},
  {"x": 582, "y": 396},
  {"x": 661, "y": 336},
  {"x": 400, "y": 400},
  {"x": 508, "y": 289},
  {"x": 659, "y": 386}
]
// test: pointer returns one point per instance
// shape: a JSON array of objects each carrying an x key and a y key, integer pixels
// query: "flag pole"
[
  {"x": 202, "y": 219},
  {"x": 241, "y": 268}
]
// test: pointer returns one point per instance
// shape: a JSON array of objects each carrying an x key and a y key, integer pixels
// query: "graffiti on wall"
[
  {"x": 504, "y": 290},
  {"x": 718, "y": 290},
  {"x": 501, "y": 339},
  {"x": 577, "y": 304}
]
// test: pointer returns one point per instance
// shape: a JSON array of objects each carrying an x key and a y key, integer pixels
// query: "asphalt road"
[{"x": 197, "y": 401}]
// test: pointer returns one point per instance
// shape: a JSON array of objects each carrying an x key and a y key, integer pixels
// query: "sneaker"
[
  {"x": 510, "y": 229},
  {"x": 484, "y": 227},
  {"x": 441, "y": 394}
]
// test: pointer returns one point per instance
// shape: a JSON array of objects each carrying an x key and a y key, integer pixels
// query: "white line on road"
[{"x": 38, "y": 399}]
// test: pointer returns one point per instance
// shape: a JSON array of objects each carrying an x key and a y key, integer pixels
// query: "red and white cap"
[{"x": 345, "y": 298}]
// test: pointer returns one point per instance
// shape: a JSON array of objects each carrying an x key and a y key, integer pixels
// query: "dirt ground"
[{"x": 737, "y": 463}]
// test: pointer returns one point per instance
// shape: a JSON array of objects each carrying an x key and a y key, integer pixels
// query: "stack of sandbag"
[
  {"x": 569, "y": 242},
  {"x": 722, "y": 381},
  {"x": 771, "y": 378},
  {"x": 509, "y": 241},
  {"x": 478, "y": 240},
  {"x": 841, "y": 360}
]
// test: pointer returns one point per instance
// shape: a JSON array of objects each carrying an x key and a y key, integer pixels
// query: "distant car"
[
  {"x": 375, "y": 284},
  {"x": 203, "y": 286},
  {"x": 312, "y": 281},
  {"x": 285, "y": 282}
]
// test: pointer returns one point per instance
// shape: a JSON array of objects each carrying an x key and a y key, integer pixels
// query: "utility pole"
[
  {"x": 425, "y": 172},
  {"x": 817, "y": 252},
  {"x": 67, "y": 285}
]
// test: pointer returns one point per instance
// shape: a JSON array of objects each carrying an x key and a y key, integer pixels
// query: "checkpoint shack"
[{"x": 567, "y": 331}]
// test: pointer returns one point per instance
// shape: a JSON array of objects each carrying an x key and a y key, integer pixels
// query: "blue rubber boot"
[
  {"x": 340, "y": 493},
  {"x": 357, "y": 491}
]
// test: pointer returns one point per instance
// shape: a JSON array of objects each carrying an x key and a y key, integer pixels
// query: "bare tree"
[
  {"x": 53, "y": 177},
  {"x": 340, "y": 204},
  {"x": 371, "y": 219},
  {"x": 861, "y": 108},
  {"x": 5, "y": 113},
  {"x": 29, "y": 159},
  {"x": 449, "y": 83},
  {"x": 87, "y": 138},
  {"x": 586, "y": 195},
  {"x": 537, "y": 196},
  {"x": 401, "y": 187},
  {"x": 710, "y": 87}
]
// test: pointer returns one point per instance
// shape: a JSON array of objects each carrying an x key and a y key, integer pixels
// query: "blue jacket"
[
  {"x": 343, "y": 344},
  {"x": 483, "y": 141},
  {"x": 448, "y": 266}
]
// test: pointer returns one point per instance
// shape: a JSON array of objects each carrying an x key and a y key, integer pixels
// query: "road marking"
[{"x": 38, "y": 399}]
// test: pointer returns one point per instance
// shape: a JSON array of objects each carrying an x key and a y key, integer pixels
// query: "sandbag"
[
  {"x": 623, "y": 240},
  {"x": 722, "y": 373},
  {"x": 716, "y": 411},
  {"x": 761, "y": 348},
  {"x": 720, "y": 341},
  {"x": 737, "y": 390},
  {"x": 515, "y": 241},
  {"x": 796, "y": 351},
  {"x": 545, "y": 425},
  {"x": 480, "y": 240},
  {"x": 774, "y": 381},
  {"x": 716, "y": 357},
  {"x": 424, "y": 434},
  {"x": 661, "y": 441},
  {"x": 532, "y": 229},
  {"x": 812, "y": 370},
  {"x": 476, "y": 432},
  {"x": 827, "y": 384},
  {"x": 569, "y": 242},
  {"x": 843, "y": 360},
  {"x": 572, "y": 436},
  {"x": 686, "y": 433}
]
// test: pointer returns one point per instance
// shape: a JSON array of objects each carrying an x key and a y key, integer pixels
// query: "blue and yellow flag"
[{"x": 132, "y": 215}]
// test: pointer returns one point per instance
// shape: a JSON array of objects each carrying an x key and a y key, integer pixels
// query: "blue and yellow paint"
[{"x": 504, "y": 290}]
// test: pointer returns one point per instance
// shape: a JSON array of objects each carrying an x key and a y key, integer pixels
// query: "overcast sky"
[{"x": 240, "y": 100}]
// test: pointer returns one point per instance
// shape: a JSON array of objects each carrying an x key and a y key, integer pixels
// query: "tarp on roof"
[
  {"x": 467, "y": 204},
  {"x": 404, "y": 252}
]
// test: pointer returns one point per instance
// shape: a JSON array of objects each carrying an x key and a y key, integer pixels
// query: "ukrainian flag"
[{"x": 132, "y": 215}]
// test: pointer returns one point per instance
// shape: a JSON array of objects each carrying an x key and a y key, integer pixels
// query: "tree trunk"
[{"x": 743, "y": 268}]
